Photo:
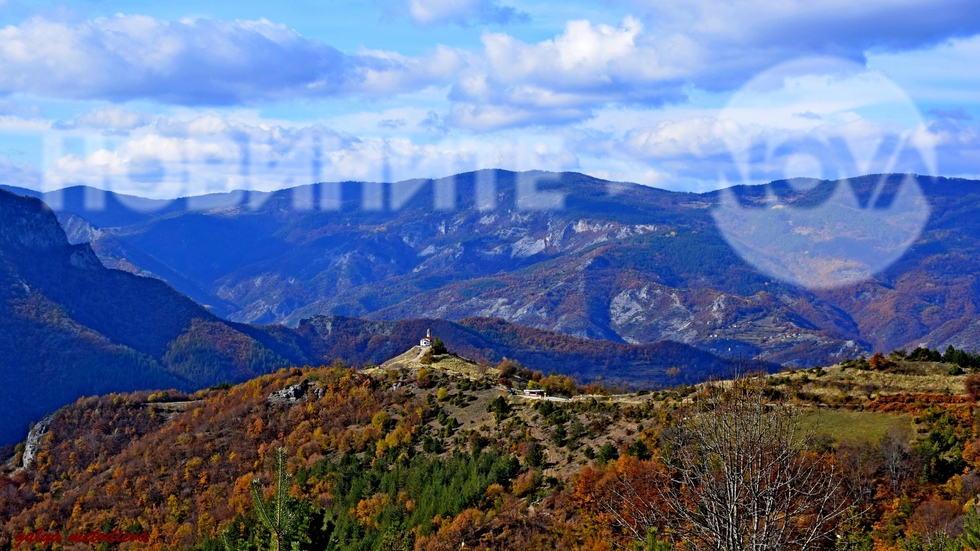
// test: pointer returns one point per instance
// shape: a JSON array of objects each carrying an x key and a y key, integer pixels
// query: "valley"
[
  {"x": 85, "y": 329},
  {"x": 618, "y": 262}
]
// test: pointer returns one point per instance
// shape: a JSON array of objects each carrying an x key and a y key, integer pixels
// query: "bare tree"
[
  {"x": 740, "y": 477},
  {"x": 899, "y": 461}
]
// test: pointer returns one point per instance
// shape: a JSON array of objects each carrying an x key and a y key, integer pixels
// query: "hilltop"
[
  {"x": 436, "y": 453},
  {"x": 341, "y": 422},
  {"x": 416, "y": 358},
  {"x": 490, "y": 340}
]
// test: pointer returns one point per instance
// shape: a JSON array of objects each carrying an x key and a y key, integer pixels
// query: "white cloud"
[
  {"x": 197, "y": 62},
  {"x": 677, "y": 47},
  {"x": 654, "y": 59},
  {"x": 582, "y": 57},
  {"x": 683, "y": 46},
  {"x": 563, "y": 79},
  {"x": 698, "y": 137},
  {"x": 628, "y": 99},
  {"x": 799, "y": 27},
  {"x": 495, "y": 117},
  {"x": 171, "y": 156},
  {"x": 17, "y": 125},
  {"x": 382, "y": 73},
  {"x": 857, "y": 122},
  {"x": 957, "y": 145},
  {"x": 212, "y": 153}
]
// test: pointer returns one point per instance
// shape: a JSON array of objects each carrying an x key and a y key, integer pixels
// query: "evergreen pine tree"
[{"x": 277, "y": 516}]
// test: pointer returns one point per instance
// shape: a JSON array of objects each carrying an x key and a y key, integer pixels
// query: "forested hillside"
[
  {"x": 618, "y": 261},
  {"x": 425, "y": 457},
  {"x": 72, "y": 327}
]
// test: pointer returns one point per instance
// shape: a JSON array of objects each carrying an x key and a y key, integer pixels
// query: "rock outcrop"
[
  {"x": 288, "y": 396},
  {"x": 34, "y": 440}
]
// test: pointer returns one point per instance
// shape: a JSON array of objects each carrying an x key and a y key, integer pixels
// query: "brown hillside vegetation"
[{"x": 440, "y": 455}]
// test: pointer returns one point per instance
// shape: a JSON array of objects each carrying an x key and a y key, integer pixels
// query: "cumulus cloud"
[
  {"x": 212, "y": 153},
  {"x": 494, "y": 117},
  {"x": 697, "y": 137},
  {"x": 198, "y": 62},
  {"x": 760, "y": 134},
  {"x": 956, "y": 142},
  {"x": 506, "y": 88},
  {"x": 675, "y": 47},
  {"x": 170, "y": 157},
  {"x": 739, "y": 38},
  {"x": 207, "y": 153},
  {"x": 563, "y": 79},
  {"x": 655, "y": 58},
  {"x": 463, "y": 12},
  {"x": 715, "y": 152},
  {"x": 211, "y": 62}
]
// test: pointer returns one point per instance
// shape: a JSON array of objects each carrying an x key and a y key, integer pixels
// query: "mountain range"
[
  {"x": 617, "y": 261},
  {"x": 70, "y": 327}
]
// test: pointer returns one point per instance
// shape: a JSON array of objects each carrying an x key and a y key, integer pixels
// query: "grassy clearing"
[
  {"x": 442, "y": 362},
  {"x": 836, "y": 386},
  {"x": 847, "y": 425}
]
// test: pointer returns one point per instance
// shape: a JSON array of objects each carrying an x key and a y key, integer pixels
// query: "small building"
[
  {"x": 534, "y": 392},
  {"x": 426, "y": 341}
]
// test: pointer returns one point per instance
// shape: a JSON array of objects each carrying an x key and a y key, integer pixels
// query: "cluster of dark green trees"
[
  {"x": 962, "y": 358},
  {"x": 958, "y": 360},
  {"x": 375, "y": 503}
]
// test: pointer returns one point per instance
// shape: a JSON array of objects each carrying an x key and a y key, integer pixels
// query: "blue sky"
[{"x": 179, "y": 98}]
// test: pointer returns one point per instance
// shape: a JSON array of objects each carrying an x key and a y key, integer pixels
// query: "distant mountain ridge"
[
  {"x": 71, "y": 327},
  {"x": 490, "y": 340},
  {"x": 619, "y": 262}
]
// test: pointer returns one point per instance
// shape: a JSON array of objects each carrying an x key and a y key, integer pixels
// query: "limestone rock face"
[
  {"x": 77, "y": 229},
  {"x": 288, "y": 396},
  {"x": 34, "y": 440}
]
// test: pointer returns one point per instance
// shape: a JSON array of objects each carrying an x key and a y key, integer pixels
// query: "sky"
[{"x": 180, "y": 98}]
